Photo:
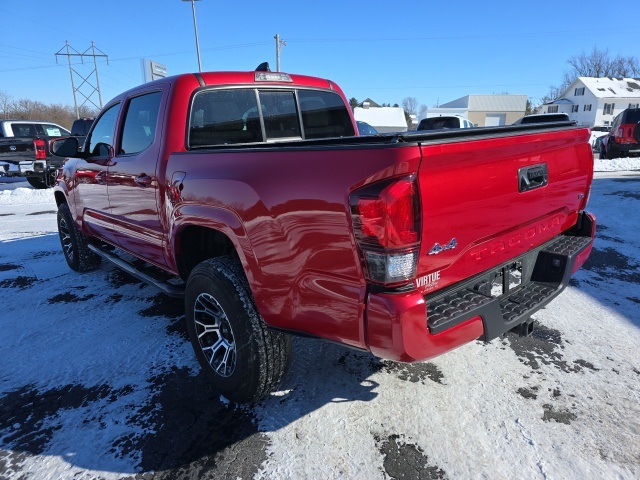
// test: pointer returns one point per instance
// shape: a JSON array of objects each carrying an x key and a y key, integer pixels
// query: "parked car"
[
  {"x": 597, "y": 145},
  {"x": 597, "y": 132},
  {"x": 542, "y": 118},
  {"x": 443, "y": 122},
  {"x": 365, "y": 129},
  {"x": 26, "y": 152},
  {"x": 623, "y": 139},
  {"x": 31, "y": 128}
]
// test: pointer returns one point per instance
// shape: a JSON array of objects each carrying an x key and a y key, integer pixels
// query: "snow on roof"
[
  {"x": 608, "y": 87},
  {"x": 382, "y": 117}
]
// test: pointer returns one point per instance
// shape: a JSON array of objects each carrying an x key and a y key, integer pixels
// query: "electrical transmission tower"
[{"x": 86, "y": 80}]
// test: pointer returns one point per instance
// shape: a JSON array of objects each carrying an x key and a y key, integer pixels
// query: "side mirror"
[{"x": 65, "y": 147}]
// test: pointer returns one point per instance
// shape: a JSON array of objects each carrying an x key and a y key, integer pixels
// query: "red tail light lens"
[
  {"x": 386, "y": 221},
  {"x": 39, "y": 149},
  {"x": 389, "y": 219},
  {"x": 624, "y": 133}
]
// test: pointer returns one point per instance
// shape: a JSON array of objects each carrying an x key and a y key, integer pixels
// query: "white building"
[
  {"x": 483, "y": 110},
  {"x": 594, "y": 101},
  {"x": 383, "y": 119}
]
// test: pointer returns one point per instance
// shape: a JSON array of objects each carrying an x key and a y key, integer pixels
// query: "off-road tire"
[
  {"x": 611, "y": 153},
  {"x": 243, "y": 358},
  {"x": 74, "y": 243}
]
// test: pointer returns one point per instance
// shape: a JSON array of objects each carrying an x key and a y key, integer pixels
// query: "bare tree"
[
  {"x": 597, "y": 63},
  {"x": 5, "y": 105},
  {"x": 25, "y": 109},
  {"x": 410, "y": 105}
]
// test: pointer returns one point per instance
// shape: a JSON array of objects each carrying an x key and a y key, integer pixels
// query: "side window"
[
  {"x": 24, "y": 130},
  {"x": 140, "y": 123},
  {"x": 223, "y": 117},
  {"x": 102, "y": 135},
  {"x": 54, "y": 130},
  {"x": 324, "y": 115},
  {"x": 280, "y": 115}
]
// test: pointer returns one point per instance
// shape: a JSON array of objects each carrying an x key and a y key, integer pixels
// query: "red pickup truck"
[{"x": 251, "y": 195}]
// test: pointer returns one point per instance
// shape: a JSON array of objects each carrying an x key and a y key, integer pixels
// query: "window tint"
[
  {"x": 220, "y": 117},
  {"x": 280, "y": 115},
  {"x": 24, "y": 130},
  {"x": 102, "y": 135},
  {"x": 140, "y": 123},
  {"x": 438, "y": 123},
  {"x": 632, "y": 116},
  {"x": 324, "y": 115}
]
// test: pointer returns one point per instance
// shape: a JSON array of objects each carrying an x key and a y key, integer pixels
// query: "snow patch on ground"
[{"x": 99, "y": 381}]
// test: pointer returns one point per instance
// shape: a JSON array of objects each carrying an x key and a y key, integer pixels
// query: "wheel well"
[
  {"x": 197, "y": 244},
  {"x": 60, "y": 198}
]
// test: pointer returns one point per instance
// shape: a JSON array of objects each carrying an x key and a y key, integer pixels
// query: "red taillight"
[
  {"x": 389, "y": 219},
  {"x": 624, "y": 133},
  {"x": 386, "y": 221},
  {"x": 39, "y": 148}
]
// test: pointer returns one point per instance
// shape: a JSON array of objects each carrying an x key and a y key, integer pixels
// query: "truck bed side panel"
[{"x": 302, "y": 264}]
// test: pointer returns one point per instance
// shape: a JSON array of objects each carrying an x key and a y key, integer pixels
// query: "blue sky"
[{"x": 433, "y": 51}]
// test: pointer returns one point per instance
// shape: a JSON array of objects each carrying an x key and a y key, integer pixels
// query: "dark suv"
[{"x": 624, "y": 138}]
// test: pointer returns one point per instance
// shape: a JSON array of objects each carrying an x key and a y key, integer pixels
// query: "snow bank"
[{"x": 616, "y": 165}]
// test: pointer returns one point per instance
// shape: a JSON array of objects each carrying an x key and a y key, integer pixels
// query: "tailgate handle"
[{"x": 533, "y": 176}]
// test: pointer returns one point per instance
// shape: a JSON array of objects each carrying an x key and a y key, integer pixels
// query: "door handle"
[
  {"x": 534, "y": 176},
  {"x": 100, "y": 178},
  {"x": 143, "y": 180}
]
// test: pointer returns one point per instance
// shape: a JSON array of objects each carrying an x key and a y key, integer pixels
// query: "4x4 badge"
[{"x": 437, "y": 248}]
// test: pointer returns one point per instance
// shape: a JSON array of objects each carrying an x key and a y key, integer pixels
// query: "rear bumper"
[
  {"x": 627, "y": 148},
  {"x": 410, "y": 327}
]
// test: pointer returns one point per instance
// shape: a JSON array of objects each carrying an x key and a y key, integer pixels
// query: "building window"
[
  {"x": 608, "y": 108},
  {"x": 606, "y": 123},
  {"x": 578, "y": 92},
  {"x": 587, "y": 108},
  {"x": 637, "y": 105},
  {"x": 575, "y": 108},
  {"x": 553, "y": 109}
]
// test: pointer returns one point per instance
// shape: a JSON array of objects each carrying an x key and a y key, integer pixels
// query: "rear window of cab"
[{"x": 249, "y": 115}]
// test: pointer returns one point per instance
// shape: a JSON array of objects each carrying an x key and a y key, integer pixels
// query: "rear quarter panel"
[{"x": 296, "y": 240}]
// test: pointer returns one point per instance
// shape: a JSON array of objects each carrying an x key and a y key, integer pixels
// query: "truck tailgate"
[{"x": 487, "y": 201}]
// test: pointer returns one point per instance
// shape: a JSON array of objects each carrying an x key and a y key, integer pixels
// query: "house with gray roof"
[{"x": 592, "y": 101}]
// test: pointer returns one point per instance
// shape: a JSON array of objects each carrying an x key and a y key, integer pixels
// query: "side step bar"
[{"x": 167, "y": 288}]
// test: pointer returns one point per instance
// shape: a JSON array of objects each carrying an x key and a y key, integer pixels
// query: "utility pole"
[
  {"x": 279, "y": 44},
  {"x": 72, "y": 52},
  {"x": 195, "y": 30}
]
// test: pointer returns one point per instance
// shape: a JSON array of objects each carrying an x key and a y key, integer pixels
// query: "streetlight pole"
[{"x": 195, "y": 29}]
